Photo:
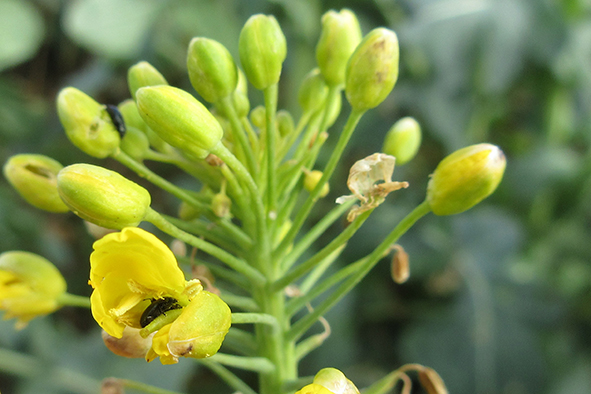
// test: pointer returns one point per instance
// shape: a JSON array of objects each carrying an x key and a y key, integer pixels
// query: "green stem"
[
  {"x": 245, "y": 341},
  {"x": 319, "y": 270},
  {"x": 255, "y": 318},
  {"x": 325, "y": 252},
  {"x": 218, "y": 271},
  {"x": 242, "y": 302},
  {"x": 233, "y": 262},
  {"x": 176, "y": 191},
  {"x": 256, "y": 364},
  {"x": 239, "y": 133},
  {"x": 68, "y": 299},
  {"x": 300, "y": 327},
  {"x": 146, "y": 388},
  {"x": 291, "y": 139},
  {"x": 386, "y": 384},
  {"x": 232, "y": 380},
  {"x": 312, "y": 235},
  {"x": 270, "y": 94},
  {"x": 303, "y": 213}
]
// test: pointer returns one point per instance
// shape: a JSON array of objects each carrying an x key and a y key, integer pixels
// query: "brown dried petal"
[
  {"x": 400, "y": 266},
  {"x": 431, "y": 381}
]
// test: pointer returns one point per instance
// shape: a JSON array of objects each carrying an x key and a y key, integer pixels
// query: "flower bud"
[
  {"x": 188, "y": 212},
  {"x": 200, "y": 330},
  {"x": 262, "y": 49},
  {"x": 30, "y": 286},
  {"x": 34, "y": 178},
  {"x": 334, "y": 110},
  {"x": 241, "y": 103},
  {"x": 131, "y": 116},
  {"x": 311, "y": 179},
  {"x": 102, "y": 197},
  {"x": 179, "y": 119},
  {"x": 339, "y": 37},
  {"x": 212, "y": 70},
  {"x": 285, "y": 123},
  {"x": 258, "y": 117},
  {"x": 135, "y": 143},
  {"x": 313, "y": 92},
  {"x": 221, "y": 205},
  {"x": 403, "y": 140},
  {"x": 87, "y": 123},
  {"x": 372, "y": 70},
  {"x": 465, "y": 178},
  {"x": 335, "y": 381},
  {"x": 141, "y": 75}
]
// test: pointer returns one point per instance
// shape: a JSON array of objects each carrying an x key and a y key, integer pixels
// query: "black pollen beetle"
[
  {"x": 116, "y": 118},
  {"x": 159, "y": 306}
]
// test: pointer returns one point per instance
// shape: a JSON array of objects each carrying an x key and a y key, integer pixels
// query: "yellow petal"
[
  {"x": 314, "y": 389},
  {"x": 137, "y": 254},
  {"x": 160, "y": 347}
]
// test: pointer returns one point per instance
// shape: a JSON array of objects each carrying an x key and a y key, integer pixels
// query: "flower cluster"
[{"x": 254, "y": 183}]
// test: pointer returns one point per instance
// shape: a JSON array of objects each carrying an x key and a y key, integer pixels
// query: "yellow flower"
[
  {"x": 330, "y": 381},
  {"x": 30, "y": 286},
  {"x": 136, "y": 279}
]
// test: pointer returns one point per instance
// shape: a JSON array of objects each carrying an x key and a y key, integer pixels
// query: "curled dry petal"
[{"x": 370, "y": 181}]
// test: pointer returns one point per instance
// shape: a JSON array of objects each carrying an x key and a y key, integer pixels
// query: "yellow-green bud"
[
  {"x": 313, "y": 92},
  {"x": 179, "y": 119},
  {"x": 334, "y": 110},
  {"x": 339, "y": 37},
  {"x": 200, "y": 330},
  {"x": 242, "y": 85},
  {"x": 212, "y": 70},
  {"x": 30, "y": 286},
  {"x": 285, "y": 123},
  {"x": 135, "y": 143},
  {"x": 188, "y": 211},
  {"x": 131, "y": 116},
  {"x": 221, "y": 205},
  {"x": 335, "y": 381},
  {"x": 103, "y": 197},
  {"x": 262, "y": 49},
  {"x": 372, "y": 70},
  {"x": 403, "y": 140},
  {"x": 465, "y": 178},
  {"x": 35, "y": 178},
  {"x": 143, "y": 74},
  {"x": 87, "y": 123},
  {"x": 311, "y": 179},
  {"x": 241, "y": 103},
  {"x": 258, "y": 116}
]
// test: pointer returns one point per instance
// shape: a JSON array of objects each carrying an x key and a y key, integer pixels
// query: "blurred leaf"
[
  {"x": 111, "y": 28},
  {"x": 22, "y": 32}
]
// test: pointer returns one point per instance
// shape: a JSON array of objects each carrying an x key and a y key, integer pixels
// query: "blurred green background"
[{"x": 499, "y": 298}]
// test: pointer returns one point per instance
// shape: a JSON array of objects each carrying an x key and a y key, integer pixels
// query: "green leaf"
[{"x": 21, "y": 29}]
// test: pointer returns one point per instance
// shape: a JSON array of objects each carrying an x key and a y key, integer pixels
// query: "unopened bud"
[
  {"x": 285, "y": 123},
  {"x": 241, "y": 103},
  {"x": 313, "y": 91},
  {"x": 465, "y": 178},
  {"x": 188, "y": 211},
  {"x": 311, "y": 179},
  {"x": 212, "y": 70},
  {"x": 403, "y": 140},
  {"x": 132, "y": 117},
  {"x": 262, "y": 49},
  {"x": 258, "y": 117},
  {"x": 221, "y": 205},
  {"x": 431, "y": 381},
  {"x": 335, "y": 381},
  {"x": 179, "y": 119},
  {"x": 87, "y": 123},
  {"x": 102, "y": 197},
  {"x": 135, "y": 143},
  {"x": 35, "y": 178},
  {"x": 334, "y": 110},
  {"x": 339, "y": 37},
  {"x": 141, "y": 75},
  {"x": 400, "y": 268},
  {"x": 200, "y": 330},
  {"x": 372, "y": 70}
]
